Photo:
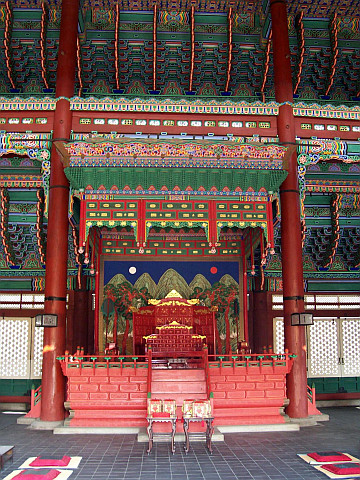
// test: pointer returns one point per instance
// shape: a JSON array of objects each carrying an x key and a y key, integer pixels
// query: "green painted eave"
[
  {"x": 22, "y": 219},
  {"x": 23, "y": 195},
  {"x": 339, "y": 286},
  {"x": 326, "y": 222},
  {"x": 246, "y": 179},
  {"x": 332, "y": 176},
  {"x": 17, "y": 284},
  {"x": 21, "y": 171}
]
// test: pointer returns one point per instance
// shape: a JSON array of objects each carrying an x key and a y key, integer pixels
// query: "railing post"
[
  {"x": 205, "y": 355},
  {"x": 149, "y": 378},
  {"x": 313, "y": 397},
  {"x": 32, "y": 398}
]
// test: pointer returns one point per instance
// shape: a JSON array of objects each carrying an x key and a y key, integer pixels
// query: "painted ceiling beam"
[
  {"x": 299, "y": 25},
  {"x": 266, "y": 66},
  {"x": 79, "y": 66},
  {"x": 335, "y": 232},
  {"x": 43, "y": 28},
  {"x": 7, "y": 44},
  {"x": 117, "y": 21},
  {"x": 4, "y": 227},
  {"x": 192, "y": 47},
  {"x": 40, "y": 235},
  {"x": 334, "y": 52},
  {"x": 230, "y": 48},
  {"x": 155, "y": 9},
  {"x": 311, "y": 9}
]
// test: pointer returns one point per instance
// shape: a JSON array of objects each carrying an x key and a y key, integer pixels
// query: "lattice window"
[
  {"x": 279, "y": 338},
  {"x": 14, "y": 348},
  {"x": 323, "y": 348},
  {"x": 350, "y": 332},
  {"x": 37, "y": 352}
]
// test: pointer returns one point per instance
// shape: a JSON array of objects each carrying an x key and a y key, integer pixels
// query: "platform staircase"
[
  {"x": 99, "y": 400},
  {"x": 179, "y": 385}
]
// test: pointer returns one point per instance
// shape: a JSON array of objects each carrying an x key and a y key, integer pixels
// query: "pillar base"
[
  {"x": 304, "y": 422},
  {"x": 42, "y": 425}
]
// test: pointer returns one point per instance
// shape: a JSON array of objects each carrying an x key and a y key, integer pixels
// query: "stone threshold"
[{"x": 60, "y": 429}]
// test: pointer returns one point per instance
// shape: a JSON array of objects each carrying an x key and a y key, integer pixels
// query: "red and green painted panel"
[{"x": 142, "y": 215}]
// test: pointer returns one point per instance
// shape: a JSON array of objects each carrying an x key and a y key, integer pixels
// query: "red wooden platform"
[{"x": 113, "y": 391}]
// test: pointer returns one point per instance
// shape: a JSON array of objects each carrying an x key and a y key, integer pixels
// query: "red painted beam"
[
  {"x": 337, "y": 396},
  {"x": 15, "y": 399}
]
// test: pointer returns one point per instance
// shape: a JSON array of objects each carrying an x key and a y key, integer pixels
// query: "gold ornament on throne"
[{"x": 174, "y": 295}]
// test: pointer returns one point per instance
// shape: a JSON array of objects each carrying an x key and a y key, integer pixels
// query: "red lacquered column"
[
  {"x": 52, "y": 402},
  {"x": 292, "y": 266}
]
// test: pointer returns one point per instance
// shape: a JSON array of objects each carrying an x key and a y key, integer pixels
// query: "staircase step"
[
  {"x": 176, "y": 387},
  {"x": 250, "y": 420},
  {"x": 111, "y": 414},
  {"x": 185, "y": 375},
  {"x": 103, "y": 422},
  {"x": 179, "y": 385}
]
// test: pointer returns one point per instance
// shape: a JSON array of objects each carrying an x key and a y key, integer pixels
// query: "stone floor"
[{"x": 259, "y": 456}]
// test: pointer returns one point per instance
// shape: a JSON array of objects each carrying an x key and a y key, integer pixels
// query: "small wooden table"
[
  {"x": 151, "y": 421},
  {"x": 6, "y": 452},
  {"x": 208, "y": 434}
]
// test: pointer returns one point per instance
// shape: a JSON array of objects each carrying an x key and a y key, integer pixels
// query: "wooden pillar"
[
  {"x": 292, "y": 267},
  {"x": 53, "y": 386},
  {"x": 70, "y": 319},
  {"x": 81, "y": 319},
  {"x": 262, "y": 318}
]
